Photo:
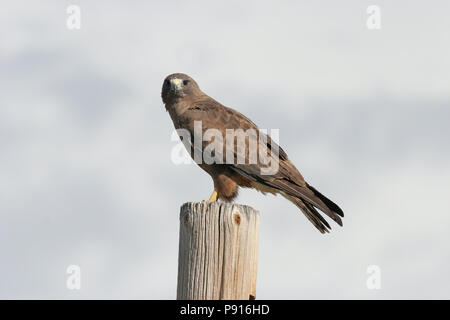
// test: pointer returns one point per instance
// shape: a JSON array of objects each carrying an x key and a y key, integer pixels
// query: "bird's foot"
[{"x": 213, "y": 197}]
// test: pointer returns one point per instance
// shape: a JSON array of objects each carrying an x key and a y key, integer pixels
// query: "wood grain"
[{"x": 218, "y": 251}]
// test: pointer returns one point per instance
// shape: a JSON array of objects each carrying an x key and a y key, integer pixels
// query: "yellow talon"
[{"x": 213, "y": 196}]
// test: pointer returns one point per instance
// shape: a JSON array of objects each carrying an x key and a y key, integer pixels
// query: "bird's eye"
[{"x": 185, "y": 82}]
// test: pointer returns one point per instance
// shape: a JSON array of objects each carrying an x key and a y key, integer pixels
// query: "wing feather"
[{"x": 287, "y": 179}]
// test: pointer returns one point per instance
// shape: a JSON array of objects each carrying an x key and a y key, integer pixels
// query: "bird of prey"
[{"x": 188, "y": 104}]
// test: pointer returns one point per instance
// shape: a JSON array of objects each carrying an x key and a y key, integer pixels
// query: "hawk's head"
[{"x": 178, "y": 85}]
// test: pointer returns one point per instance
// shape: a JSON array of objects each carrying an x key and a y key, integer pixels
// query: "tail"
[{"x": 317, "y": 200}]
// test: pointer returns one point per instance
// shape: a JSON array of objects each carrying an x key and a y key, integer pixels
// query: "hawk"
[{"x": 187, "y": 105}]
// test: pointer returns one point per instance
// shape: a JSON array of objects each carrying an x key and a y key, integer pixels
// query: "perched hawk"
[{"x": 188, "y": 105}]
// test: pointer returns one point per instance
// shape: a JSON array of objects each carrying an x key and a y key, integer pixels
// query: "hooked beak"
[{"x": 176, "y": 84}]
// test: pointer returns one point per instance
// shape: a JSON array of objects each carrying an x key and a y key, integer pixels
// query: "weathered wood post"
[{"x": 218, "y": 251}]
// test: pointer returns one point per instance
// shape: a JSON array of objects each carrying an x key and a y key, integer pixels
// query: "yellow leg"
[{"x": 213, "y": 196}]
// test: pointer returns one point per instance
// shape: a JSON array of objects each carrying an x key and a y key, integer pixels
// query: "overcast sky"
[{"x": 86, "y": 176}]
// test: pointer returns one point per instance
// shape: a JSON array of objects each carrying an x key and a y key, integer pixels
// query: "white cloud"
[{"x": 85, "y": 168}]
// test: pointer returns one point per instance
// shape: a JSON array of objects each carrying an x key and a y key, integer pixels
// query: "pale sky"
[{"x": 86, "y": 176}]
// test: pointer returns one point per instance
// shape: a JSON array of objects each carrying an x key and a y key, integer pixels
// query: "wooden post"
[{"x": 218, "y": 251}]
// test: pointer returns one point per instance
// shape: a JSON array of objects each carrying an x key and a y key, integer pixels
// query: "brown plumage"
[{"x": 186, "y": 103}]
